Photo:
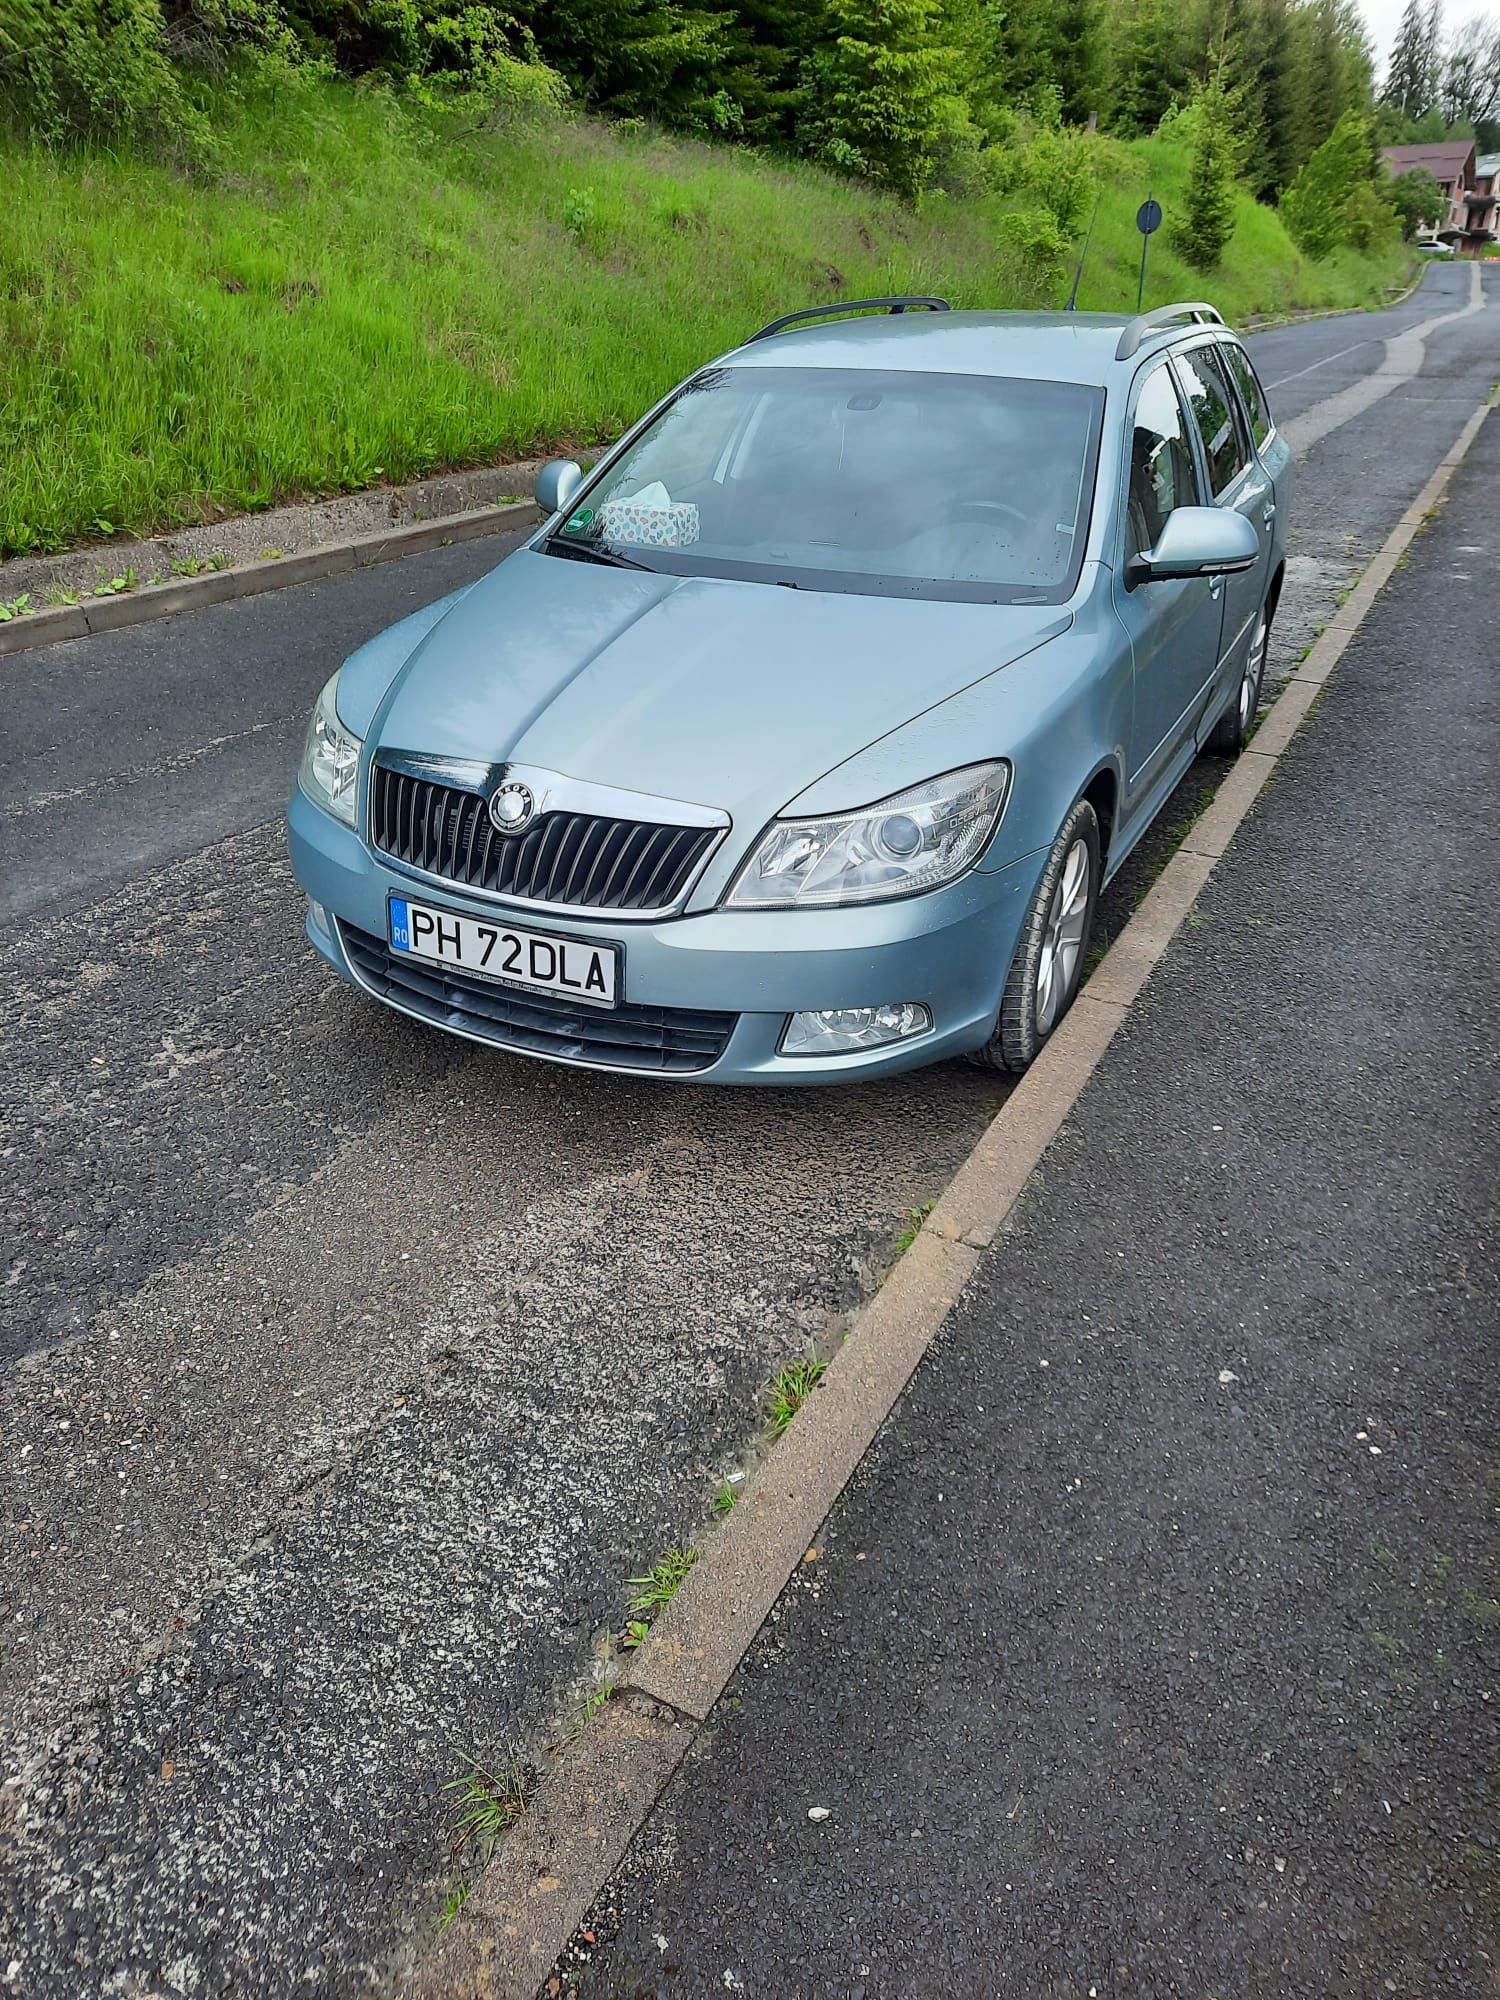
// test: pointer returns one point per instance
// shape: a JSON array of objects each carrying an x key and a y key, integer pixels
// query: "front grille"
[
  {"x": 570, "y": 858},
  {"x": 669, "y": 1041}
]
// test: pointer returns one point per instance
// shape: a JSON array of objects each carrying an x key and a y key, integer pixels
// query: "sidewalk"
[{"x": 1147, "y": 1653}]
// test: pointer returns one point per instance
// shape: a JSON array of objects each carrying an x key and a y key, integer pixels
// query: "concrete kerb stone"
[
  {"x": 163, "y": 600},
  {"x": 502, "y": 1946},
  {"x": 536, "y": 1891},
  {"x": 1284, "y": 717},
  {"x": 1216, "y": 825}
]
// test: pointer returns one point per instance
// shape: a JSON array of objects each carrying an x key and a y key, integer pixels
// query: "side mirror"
[
  {"x": 556, "y": 483},
  {"x": 1197, "y": 541}
]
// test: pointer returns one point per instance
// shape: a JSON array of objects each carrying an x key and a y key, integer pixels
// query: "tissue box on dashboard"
[{"x": 672, "y": 526}]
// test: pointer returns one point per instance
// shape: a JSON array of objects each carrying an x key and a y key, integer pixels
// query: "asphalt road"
[
  {"x": 350, "y": 1372},
  {"x": 1153, "y": 1649}
]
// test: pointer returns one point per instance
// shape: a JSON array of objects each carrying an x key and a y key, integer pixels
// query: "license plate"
[{"x": 530, "y": 960}]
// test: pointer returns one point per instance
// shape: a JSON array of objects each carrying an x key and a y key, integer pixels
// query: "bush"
[
  {"x": 1060, "y": 171},
  {"x": 92, "y": 72},
  {"x": 1037, "y": 246}
]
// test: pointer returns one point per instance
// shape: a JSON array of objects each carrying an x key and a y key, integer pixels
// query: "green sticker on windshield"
[{"x": 576, "y": 523}]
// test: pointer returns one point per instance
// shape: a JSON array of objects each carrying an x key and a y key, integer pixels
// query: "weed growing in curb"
[
  {"x": 656, "y": 1589},
  {"x": 593, "y": 1701},
  {"x": 914, "y": 1220},
  {"x": 486, "y": 1802},
  {"x": 723, "y": 1501},
  {"x": 790, "y": 1391},
  {"x": 453, "y": 1902},
  {"x": 14, "y": 607}
]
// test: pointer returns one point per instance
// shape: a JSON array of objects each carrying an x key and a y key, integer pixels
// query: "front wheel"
[
  {"x": 1232, "y": 731},
  {"x": 1047, "y": 969}
]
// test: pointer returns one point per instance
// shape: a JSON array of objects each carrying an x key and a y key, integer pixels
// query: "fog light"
[{"x": 838, "y": 1030}]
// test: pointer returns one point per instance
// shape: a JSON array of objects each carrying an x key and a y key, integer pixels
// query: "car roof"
[{"x": 1035, "y": 346}]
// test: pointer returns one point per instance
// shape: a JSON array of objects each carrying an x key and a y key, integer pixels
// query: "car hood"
[{"x": 718, "y": 693}]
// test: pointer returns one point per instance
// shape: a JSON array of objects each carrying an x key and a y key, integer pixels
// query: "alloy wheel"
[
  {"x": 1063, "y": 939},
  {"x": 1250, "y": 685}
]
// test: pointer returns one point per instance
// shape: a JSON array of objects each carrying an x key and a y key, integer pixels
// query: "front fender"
[{"x": 1060, "y": 714}]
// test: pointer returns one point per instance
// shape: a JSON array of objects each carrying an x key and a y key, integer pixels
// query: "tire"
[
  {"x": 1047, "y": 970},
  {"x": 1232, "y": 730}
]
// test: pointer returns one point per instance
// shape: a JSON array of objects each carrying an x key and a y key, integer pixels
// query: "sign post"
[{"x": 1147, "y": 221}]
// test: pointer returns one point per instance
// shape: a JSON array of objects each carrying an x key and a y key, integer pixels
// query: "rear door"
[
  {"x": 1174, "y": 626},
  {"x": 1270, "y": 448},
  {"x": 1235, "y": 478}
]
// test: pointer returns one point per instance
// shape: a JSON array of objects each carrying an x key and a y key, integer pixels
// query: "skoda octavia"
[{"x": 798, "y": 742}]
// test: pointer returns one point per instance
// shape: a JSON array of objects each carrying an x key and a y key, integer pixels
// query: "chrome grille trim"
[{"x": 590, "y": 848}]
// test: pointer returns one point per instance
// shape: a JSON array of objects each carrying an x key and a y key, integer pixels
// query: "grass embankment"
[{"x": 357, "y": 292}]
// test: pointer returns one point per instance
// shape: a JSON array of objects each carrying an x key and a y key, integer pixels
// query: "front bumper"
[{"x": 951, "y": 949}]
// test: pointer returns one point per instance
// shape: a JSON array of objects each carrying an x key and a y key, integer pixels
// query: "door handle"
[
  {"x": 1215, "y": 586},
  {"x": 1268, "y": 512}
]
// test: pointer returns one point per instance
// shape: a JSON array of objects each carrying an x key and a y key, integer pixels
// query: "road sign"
[{"x": 1147, "y": 221}]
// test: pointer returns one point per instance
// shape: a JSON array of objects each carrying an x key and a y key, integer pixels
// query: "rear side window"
[
  {"x": 1161, "y": 461},
  {"x": 1243, "y": 371},
  {"x": 1213, "y": 411}
]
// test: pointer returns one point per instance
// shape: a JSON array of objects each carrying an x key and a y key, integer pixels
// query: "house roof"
[
  {"x": 1488, "y": 164},
  {"x": 1450, "y": 160}
]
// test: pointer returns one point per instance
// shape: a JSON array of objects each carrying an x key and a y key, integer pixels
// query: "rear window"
[
  {"x": 1213, "y": 410},
  {"x": 1243, "y": 370}
]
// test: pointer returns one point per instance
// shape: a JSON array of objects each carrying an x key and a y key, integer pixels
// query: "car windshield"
[{"x": 958, "y": 486}]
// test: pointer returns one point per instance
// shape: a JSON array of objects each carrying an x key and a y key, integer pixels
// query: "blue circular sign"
[{"x": 1148, "y": 217}]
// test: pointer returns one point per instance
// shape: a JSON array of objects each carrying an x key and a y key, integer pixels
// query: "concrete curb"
[
  {"x": 165, "y": 600},
  {"x": 553, "y": 1862}
]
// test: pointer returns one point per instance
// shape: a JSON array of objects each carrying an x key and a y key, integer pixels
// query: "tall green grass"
[{"x": 361, "y": 292}]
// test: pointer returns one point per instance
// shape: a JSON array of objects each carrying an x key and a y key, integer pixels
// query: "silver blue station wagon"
[{"x": 798, "y": 742}]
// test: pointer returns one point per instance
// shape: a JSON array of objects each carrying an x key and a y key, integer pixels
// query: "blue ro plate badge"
[{"x": 530, "y": 961}]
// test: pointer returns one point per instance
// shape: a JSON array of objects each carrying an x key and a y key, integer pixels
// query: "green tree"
[
  {"x": 888, "y": 91},
  {"x": 1416, "y": 198},
  {"x": 1409, "y": 83},
  {"x": 1208, "y": 222},
  {"x": 1283, "y": 112},
  {"x": 1316, "y": 207},
  {"x": 1150, "y": 66},
  {"x": 1078, "y": 58},
  {"x": 770, "y": 43},
  {"x": 1469, "y": 86},
  {"x": 641, "y": 58}
]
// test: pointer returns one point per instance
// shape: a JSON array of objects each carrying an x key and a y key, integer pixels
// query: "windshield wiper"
[{"x": 592, "y": 552}]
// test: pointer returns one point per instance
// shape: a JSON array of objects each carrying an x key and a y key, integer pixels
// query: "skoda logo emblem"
[{"x": 512, "y": 808}]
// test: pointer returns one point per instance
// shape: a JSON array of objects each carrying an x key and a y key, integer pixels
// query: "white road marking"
[
  {"x": 168, "y": 767},
  {"x": 1405, "y": 354},
  {"x": 1297, "y": 374}
]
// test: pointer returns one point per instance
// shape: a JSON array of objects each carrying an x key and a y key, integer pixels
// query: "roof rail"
[
  {"x": 1136, "y": 330},
  {"x": 891, "y": 305}
]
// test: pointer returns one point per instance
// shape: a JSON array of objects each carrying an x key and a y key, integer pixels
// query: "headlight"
[
  {"x": 916, "y": 840},
  {"x": 330, "y": 758}
]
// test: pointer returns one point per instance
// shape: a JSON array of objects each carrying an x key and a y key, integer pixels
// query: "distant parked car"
[
  {"x": 797, "y": 743},
  {"x": 1435, "y": 249}
]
